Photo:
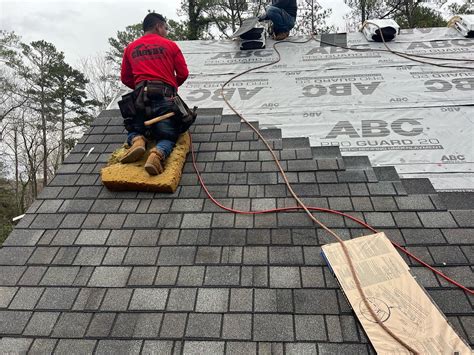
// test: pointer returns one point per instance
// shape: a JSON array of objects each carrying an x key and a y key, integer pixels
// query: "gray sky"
[{"x": 80, "y": 28}]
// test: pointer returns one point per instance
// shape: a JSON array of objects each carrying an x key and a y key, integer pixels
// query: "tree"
[
  {"x": 412, "y": 14},
  {"x": 41, "y": 57},
  {"x": 465, "y": 9},
  {"x": 71, "y": 98},
  {"x": 7, "y": 204},
  {"x": 227, "y": 15},
  {"x": 196, "y": 21},
  {"x": 311, "y": 18},
  {"x": 122, "y": 40},
  {"x": 103, "y": 81}
]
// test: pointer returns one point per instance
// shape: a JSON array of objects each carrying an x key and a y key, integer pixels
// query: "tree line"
[{"x": 45, "y": 103}]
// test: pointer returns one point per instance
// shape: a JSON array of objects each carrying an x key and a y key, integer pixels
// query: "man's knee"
[{"x": 272, "y": 10}]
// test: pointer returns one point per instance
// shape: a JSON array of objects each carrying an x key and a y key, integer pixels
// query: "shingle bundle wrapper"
[
  {"x": 133, "y": 177},
  {"x": 253, "y": 39}
]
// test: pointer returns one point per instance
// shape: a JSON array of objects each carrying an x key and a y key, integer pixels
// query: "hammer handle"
[{"x": 159, "y": 118}]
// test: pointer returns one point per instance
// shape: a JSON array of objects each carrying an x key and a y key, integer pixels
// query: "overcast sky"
[{"x": 80, "y": 28}]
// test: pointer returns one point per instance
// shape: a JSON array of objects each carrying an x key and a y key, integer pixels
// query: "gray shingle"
[
  {"x": 423, "y": 236},
  {"x": 203, "y": 347},
  {"x": 145, "y": 238},
  {"x": 196, "y": 220},
  {"x": 119, "y": 347},
  {"x": 212, "y": 300},
  {"x": 13, "y": 322},
  {"x": 92, "y": 237},
  {"x": 414, "y": 203},
  {"x": 241, "y": 300},
  {"x": 406, "y": 219},
  {"x": 181, "y": 299},
  {"x": 15, "y": 345},
  {"x": 451, "y": 301},
  {"x": 142, "y": 276},
  {"x": 89, "y": 299},
  {"x": 316, "y": 301},
  {"x": 42, "y": 255},
  {"x": 15, "y": 255},
  {"x": 101, "y": 325},
  {"x": 300, "y": 348},
  {"x": 43, "y": 346},
  {"x": 114, "y": 256},
  {"x": 167, "y": 275},
  {"x": 379, "y": 219},
  {"x": 149, "y": 299},
  {"x": 237, "y": 326},
  {"x": 273, "y": 327},
  {"x": 137, "y": 325},
  {"x": 23, "y": 237},
  {"x": 333, "y": 326},
  {"x": 6, "y": 295},
  {"x": 110, "y": 276},
  {"x": 458, "y": 236},
  {"x": 26, "y": 298},
  {"x": 90, "y": 256},
  {"x": 176, "y": 255},
  {"x": 285, "y": 277},
  {"x": 157, "y": 347},
  {"x": 116, "y": 300},
  {"x": 57, "y": 298},
  {"x": 173, "y": 325},
  {"x": 331, "y": 349},
  {"x": 222, "y": 275},
  {"x": 286, "y": 255},
  {"x": 141, "y": 256},
  {"x": 464, "y": 218},
  {"x": 437, "y": 219},
  {"x": 60, "y": 276},
  {"x": 310, "y": 327},
  {"x": 255, "y": 255},
  {"x": 241, "y": 348},
  {"x": 71, "y": 325},
  {"x": 41, "y": 323},
  {"x": 75, "y": 346},
  {"x": 312, "y": 277},
  {"x": 203, "y": 325},
  {"x": 32, "y": 275}
]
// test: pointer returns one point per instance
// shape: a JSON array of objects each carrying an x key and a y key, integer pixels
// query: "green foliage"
[
  {"x": 420, "y": 17},
  {"x": 122, "y": 40},
  {"x": 311, "y": 16},
  {"x": 8, "y": 208},
  {"x": 465, "y": 9}
]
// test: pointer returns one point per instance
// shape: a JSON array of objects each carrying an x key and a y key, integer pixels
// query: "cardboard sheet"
[{"x": 395, "y": 296}]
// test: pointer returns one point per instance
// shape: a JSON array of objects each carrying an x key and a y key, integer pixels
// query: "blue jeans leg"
[
  {"x": 138, "y": 130},
  {"x": 166, "y": 134},
  {"x": 282, "y": 21}
]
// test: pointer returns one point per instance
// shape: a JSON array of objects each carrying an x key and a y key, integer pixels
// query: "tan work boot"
[
  {"x": 281, "y": 36},
  {"x": 136, "y": 151},
  {"x": 155, "y": 163}
]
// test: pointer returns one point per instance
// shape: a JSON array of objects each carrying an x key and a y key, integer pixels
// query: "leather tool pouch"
[
  {"x": 127, "y": 106},
  {"x": 183, "y": 114}
]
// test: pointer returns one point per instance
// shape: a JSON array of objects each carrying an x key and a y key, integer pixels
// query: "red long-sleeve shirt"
[{"x": 152, "y": 57}]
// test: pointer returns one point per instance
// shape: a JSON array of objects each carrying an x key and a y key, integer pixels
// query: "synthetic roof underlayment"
[
  {"x": 90, "y": 270},
  {"x": 418, "y": 118}
]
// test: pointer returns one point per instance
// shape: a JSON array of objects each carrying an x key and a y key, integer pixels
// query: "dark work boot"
[
  {"x": 136, "y": 151},
  {"x": 155, "y": 163}
]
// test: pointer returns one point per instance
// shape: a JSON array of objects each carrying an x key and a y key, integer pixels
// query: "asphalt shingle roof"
[{"x": 88, "y": 269}]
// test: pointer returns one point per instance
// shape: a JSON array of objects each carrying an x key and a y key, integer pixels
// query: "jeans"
[
  {"x": 282, "y": 21},
  {"x": 165, "y": 132}
]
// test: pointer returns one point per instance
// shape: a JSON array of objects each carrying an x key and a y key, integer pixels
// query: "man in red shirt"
[{"x": 155, "y": 62}]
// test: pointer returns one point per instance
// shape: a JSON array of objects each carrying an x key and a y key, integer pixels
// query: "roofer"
[
  {"x": 154, "y": 67},
  {"x": 282, "y": 13}
]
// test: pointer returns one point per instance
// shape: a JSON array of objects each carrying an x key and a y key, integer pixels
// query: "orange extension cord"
[{"x": 309, "y": 209}]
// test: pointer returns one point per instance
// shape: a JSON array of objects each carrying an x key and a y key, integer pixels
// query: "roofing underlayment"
[
  {"x": 418, "y": 118},
  {"x": 88, "y": 269}
]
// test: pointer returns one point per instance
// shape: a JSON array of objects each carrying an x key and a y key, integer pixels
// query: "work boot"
[
  {"x": 281, "y": 36},
  {"x": 136, "y": 151},
  {"x": 155, "y": 163}
]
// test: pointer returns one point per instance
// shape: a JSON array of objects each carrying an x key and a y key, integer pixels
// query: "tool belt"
[{"x": 136, "y": 105}]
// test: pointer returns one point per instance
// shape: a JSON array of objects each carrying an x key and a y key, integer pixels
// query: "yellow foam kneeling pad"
[{"x": 133, "y": 177}]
